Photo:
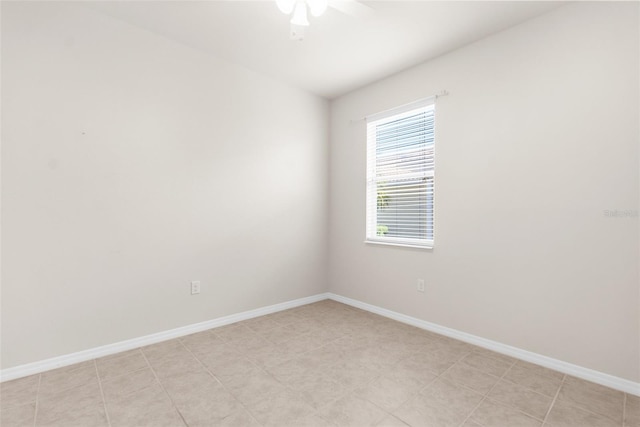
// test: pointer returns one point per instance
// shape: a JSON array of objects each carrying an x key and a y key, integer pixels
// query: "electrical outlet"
[
  {"x": 195, "y": 287},
  {"x": 420, "y": 285}
]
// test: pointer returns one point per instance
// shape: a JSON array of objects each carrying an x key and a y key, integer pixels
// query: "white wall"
[
  {"x": 538, "y": 137},
  {"x": 132, "y": 165}
]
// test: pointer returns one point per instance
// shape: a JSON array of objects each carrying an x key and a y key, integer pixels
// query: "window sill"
[{"x": 399, "y": 244}]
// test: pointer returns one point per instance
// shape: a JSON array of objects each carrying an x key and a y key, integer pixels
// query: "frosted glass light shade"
[
  {"x": 286, "y": 6},
  {"x": 300, "y": 15},
  {"x": 317, "y": 7}
]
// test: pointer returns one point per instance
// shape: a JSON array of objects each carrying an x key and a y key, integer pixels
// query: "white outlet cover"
[{"x": 195, "y": 287}]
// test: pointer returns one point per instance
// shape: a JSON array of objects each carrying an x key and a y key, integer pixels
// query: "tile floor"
[{"x": 323, "y": 364}]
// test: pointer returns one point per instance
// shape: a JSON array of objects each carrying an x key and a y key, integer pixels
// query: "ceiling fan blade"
[{"x": 352, "y": 7}]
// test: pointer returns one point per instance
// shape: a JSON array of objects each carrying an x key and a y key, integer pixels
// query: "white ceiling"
[{"x": 340, "y": 52}]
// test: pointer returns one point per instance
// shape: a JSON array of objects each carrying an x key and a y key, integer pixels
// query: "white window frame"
[{"x": 372, "y": 178}]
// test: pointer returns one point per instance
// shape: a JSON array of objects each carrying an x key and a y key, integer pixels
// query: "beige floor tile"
[
  {"x": 374, "y": 357},
  {"x": 66, "y": 378},
  {"x": 268, "y": 356},
  {"x": 487, "y": 364},
  {"x": 318, "y": 389},
  {"x": 252, "y": 388},
  {"x": 410, "y": 374},
  {"x": 540, "y": 370},
  {"x": 192, "y": 386},
  {"x": 54, "y": 405},
  {"x": 632, "y": 411},
  {"x": 242, "y": 418},
  {"x": 19, "y": 392},
  {"x": 391, "y": 421},
  {"x": 386, "y": 393},
  {"x": 203, "y": 403},
  {"x": 439, "y": 342},
  {"x": 325, "y": 335},
  {"x": 230, "y": 370},
  {"x": 293, "y": 369},
  {"x": 493, "y": 414},
  {"x": 18, "y": 416},
  {"x": 148, "y": 407},
  {"x": 202, "y": 342},
  {"x": 429, "y": 414},
  {"x": 432, "y": 362},
  {"x": 400, "y": 351},
  {"x": 116, "y": 387},
  {"x": 327, "y": 355},
  {"x": 219, "y": 355},
  {"x": 235, "y": 331},
  {"x": 492, "y": 354},
  {"x": 352, "y": 411},
  {"x": 447, "y": 393},
  {"x": 453, "y": 354},
  {"x": 313, "y": 420},
  {"x": 281, "y": 409},
  {"x": 441, "y": 404},
  {"x": 250, "y": 344},
  {"x": 565, "y": 415},
  {"x": 302, "y": 344},
  {"x": 470, "y": 377},
  {"x": 352, "y": 374},
  {"x": 303, "y": 326},
  {"x": 163, "y": 350},
  {"x": 113, "y": 366},
  {"x": 593, "y": 397},
  {"x": 531, "y": 378},
  {"x": 260, "y": 324},
  {"x": 350, "y": 342},
  {"x": 175, "y": 363},
  {"x": 279, "y": 334},
  {"x": 285, "y": 317},
  {"x": 521, "y": 398},
  {"x": 89, "y": 416}
]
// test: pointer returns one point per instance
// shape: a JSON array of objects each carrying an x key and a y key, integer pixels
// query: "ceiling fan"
[{"x": 299, "y": 9}]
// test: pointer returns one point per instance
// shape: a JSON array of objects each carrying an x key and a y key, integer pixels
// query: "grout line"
[
  {"x": 380, "y": 375},
  {"x": 486, "y": 395},
  {"x": 264, "y": 370},
  {"x": 624, "y": 408},
  {"x": 553, "y": 402},
  {"x": 162, "y": 386},
  {"x": 428, "y": 384},
  {"x": 588, "y": 409},
  {"x": 529, "y": 389},
  {"x": 104, "y": 401},
  {"x": 35, "y": 414},
  {"x": 220, "y": 382},
  {"x": 325, "y": 344}
]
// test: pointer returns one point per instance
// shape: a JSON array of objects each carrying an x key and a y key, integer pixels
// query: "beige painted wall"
[
  {"x": 538, "y": 137},
  {"x": 132, "y": 165}
]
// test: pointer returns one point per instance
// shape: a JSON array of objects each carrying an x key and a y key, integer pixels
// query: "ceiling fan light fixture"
[
  {"x": 318, "y": 7},
  {"x": 286, "y": 6},
  {"x": 300, "y": 15}
]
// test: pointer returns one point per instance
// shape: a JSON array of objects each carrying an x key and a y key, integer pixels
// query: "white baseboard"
[
  {"x": 548, "y": 362},
  {"x": 105, "y": 350},
  {"x": 558, "y": 365}
]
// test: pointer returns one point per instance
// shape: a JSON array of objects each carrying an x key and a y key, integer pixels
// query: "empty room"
[{"x": 320, "y": 213}]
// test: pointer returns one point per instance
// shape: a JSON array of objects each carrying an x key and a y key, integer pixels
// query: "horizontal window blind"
[{"x": 400, "y": 176}]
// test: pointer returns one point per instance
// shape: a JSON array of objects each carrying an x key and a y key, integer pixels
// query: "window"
[{"x": 400, "y": 175}]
